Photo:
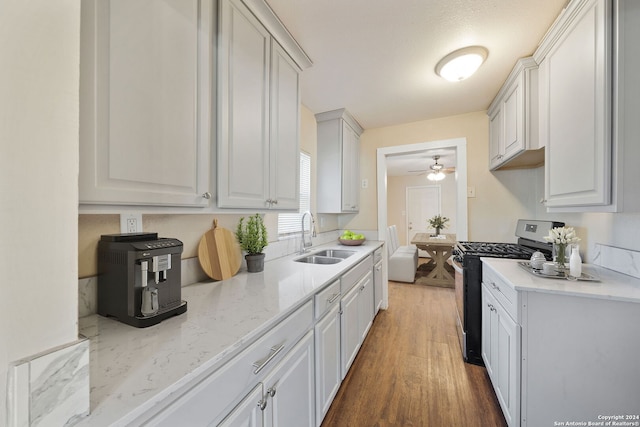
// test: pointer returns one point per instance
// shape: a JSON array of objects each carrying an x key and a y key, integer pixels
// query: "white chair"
[{"x": 403, "y": 260}]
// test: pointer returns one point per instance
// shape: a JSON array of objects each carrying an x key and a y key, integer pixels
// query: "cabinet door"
[
  {"x": 377, "y": 287},
  {"x": 145, "y": 102},
  {"x": 496, "y": 138},
  {"x": 505, "y": 341},
  {"x": 284, "y": 141},
  {"x": 488, "y": 318},
  {"x": 290, "y": 388},
  {"x": 243, "y": 113},
  {"x": 248, "y": 413},
  {"x": 513, "y": 116},
  {"x": 327, "y": 336},
  {"x": 578, "y": 115},
  {"x": 365, "y": 305},
  {"x": 500, "y": 352},
  {"x": 349, "y": 332},
  {"x": 350, "y": 169}
]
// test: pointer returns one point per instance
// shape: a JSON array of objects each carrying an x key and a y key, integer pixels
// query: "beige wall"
[
  {"x": 501, "y": 198},
  {"x": 40, "y": 51},
  {"x": 397, "y": 201}
]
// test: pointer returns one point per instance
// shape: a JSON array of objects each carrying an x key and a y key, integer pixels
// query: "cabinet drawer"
[
  {"x": 501, "y": 291},
  {"x": 327, "y": 298},
  {"x": 352, "y": 277},
  {"x": 218, "y": 393}
]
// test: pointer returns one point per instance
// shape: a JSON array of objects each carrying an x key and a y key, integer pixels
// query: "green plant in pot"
[
  {"x": 438, "y": 222},
  {"x": 252, "y": 238}
]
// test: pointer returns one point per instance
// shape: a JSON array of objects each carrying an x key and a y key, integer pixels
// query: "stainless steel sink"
[
  {"x": 315, "y": 259},
  {"x": 335, "y": 253}
]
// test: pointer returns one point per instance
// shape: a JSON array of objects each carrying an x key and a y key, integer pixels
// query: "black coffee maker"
[{"x": 139, "y": 278}]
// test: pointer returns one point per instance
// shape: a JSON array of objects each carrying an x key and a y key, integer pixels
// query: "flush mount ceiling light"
[{"x": 462, "y": 63}]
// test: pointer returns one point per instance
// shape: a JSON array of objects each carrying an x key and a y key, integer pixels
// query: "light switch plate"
[{"x": 471, "y": 192}]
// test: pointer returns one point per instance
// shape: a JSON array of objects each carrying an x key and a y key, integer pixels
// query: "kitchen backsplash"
[
  {"x": 623, "y": 261},
  {"x": 192, "y": 272}
]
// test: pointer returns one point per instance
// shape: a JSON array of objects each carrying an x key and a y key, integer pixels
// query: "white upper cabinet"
[
  {"x": 575, "y": 104},
  {"x": 513, "y": 120},
  {"x": 258, "y": 114},
  {"x": 145, "y": 98},
  {"x": 338, "y": 162}
]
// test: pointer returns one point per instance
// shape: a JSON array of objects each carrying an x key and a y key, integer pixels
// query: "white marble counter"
[
  {"x": 133, "y": 369},
  {"x": 612, "y": 285}
]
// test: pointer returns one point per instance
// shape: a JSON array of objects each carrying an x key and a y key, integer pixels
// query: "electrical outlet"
[
  {"x": 131, "y": 223},
  {"x": 365, "y": 183}
]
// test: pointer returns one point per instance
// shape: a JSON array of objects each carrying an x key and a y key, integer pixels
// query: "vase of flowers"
[
  {"x": 561, "y": 237},
  {"x": 438, "y": 222}
]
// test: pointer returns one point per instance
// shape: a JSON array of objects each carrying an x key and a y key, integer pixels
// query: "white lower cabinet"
[
  {"x": 328, "y": 378},
  {"x": 289, "y": 390},
  {"x": 249, "y": 412},
  {"x": 289, "y": 376},
  {"x": 357, "y": 317},
  {"x": 377, "y": 281},
  {"x": 500, "y": 348},
  {"x": 285, "y": 397}
]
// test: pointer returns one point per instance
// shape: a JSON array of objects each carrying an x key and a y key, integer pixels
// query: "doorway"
[
  {"x": 422, "y": 203},
  {"x": 460, "y": 145}
]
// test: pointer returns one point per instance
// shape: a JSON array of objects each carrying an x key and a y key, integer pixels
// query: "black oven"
[{"x": 468, "y": 278}]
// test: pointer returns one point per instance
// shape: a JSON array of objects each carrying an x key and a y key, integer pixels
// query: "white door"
[{"x": 422, "y": 203}]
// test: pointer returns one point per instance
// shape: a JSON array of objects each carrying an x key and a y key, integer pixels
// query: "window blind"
[{"x": 289, "y": 223}]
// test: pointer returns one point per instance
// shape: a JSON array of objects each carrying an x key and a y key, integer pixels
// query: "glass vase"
[{"x": 560, "y": 255}]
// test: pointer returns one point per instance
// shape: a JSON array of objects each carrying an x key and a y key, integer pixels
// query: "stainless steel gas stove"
[{"x": 468, "y": 277}]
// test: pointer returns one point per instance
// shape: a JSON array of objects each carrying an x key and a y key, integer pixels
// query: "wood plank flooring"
[{"x": 410, "y": 371}]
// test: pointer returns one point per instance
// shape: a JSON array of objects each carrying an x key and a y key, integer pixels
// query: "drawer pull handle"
[
  {"x": 333, "y": 298},
  {"x": 260, "y": 365}
]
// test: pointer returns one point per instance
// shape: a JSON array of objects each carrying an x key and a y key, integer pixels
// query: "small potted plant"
[
  {"x": 438, "y": 222},
  {"x": 252, "y": 237}
]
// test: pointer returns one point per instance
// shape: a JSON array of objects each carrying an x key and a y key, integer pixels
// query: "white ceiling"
[
  {"x": 407, "y": 164},
  {"x": 377, "y": 57}
]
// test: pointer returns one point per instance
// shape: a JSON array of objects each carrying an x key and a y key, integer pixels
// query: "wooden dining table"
[{"x": 439, "y": 249}]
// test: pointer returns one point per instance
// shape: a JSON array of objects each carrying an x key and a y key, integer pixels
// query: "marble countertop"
[
  {"x": 612, "y": 285},
  {"x": 131, "y": 369}
]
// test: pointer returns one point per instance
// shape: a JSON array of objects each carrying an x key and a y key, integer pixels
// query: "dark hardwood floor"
[{"x": 410, "y": 371}]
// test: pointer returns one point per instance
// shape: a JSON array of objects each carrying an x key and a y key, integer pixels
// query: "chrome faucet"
[{"x": 304, "y": 244}]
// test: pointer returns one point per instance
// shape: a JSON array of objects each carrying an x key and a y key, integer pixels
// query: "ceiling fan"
[{"x": 437, "y": 171}]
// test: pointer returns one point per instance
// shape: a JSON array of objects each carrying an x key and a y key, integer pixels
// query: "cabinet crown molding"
[
  {"x": 343, "y": 114},
  {"x": 276, "y": 27}
]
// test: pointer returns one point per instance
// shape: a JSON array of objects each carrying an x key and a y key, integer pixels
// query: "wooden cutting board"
[{"x": 219, "y": 253}]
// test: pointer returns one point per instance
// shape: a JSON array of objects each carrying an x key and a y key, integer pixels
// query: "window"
[{"x": 289, "y": 223}]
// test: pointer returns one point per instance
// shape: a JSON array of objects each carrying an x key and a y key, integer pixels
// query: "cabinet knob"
[
  {"x": 275, "y": 202},
  {"x": 272, "y": 391},
  {"x": 206, "y": 195},
  {"x": 262, "y": 404}
]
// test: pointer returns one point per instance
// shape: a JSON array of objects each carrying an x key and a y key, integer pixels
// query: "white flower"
[{"x": 562, "y": 235}]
